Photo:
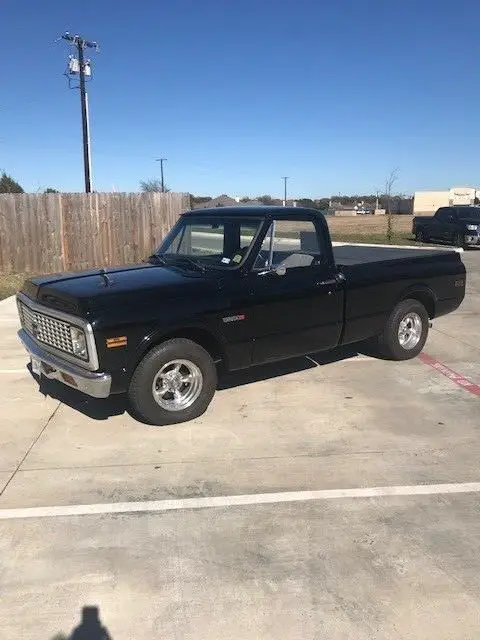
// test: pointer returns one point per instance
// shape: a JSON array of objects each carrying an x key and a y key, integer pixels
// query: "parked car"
[
  {"x": 458, "y": 225},
  {"x": 228, "y": 289}
]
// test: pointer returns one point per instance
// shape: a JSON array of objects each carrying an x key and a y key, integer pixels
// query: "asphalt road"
[{"x": 397, "y": 556}]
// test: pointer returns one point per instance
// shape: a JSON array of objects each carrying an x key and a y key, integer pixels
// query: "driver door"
[{"x": 300, "y": 311}]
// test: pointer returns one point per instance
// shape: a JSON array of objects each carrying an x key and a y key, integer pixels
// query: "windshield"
[
  {"x": 469, "y": 214},
  {"x": 215, "y": 241}
]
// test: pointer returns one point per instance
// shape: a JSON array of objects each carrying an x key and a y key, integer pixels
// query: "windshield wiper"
[
  {"x": 192, "y": 262},
  {"x": 174, "y": 259},
  {"x": 156, "y": 259}
]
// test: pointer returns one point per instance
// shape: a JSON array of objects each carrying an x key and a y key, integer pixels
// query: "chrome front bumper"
[
  {"x": 472, "y": 239},
  {"x": 92, "y": 383}
]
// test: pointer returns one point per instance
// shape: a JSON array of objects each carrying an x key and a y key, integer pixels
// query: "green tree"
[
  {"x": 50, "y": 190},
  {"x": 266, "y": 199},
  {"x": 153, "y": 186},
  {"x": 306, "y": 202},
  {"x": 200, "y": 199},
  {"x": 9, "y": 185},
  {"x": 322, "y": 203}
]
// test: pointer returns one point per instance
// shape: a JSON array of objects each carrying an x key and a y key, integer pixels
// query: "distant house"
[
  {"x": 227, "y": 201},
  {"x": 220, "y": 201}
]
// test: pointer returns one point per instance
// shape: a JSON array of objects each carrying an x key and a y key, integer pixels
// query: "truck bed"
[{"x": 349, "y": 254}]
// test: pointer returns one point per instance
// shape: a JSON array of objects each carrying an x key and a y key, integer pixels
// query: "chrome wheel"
[
  {"x": 177, "y": 385},
  {"x": 410, "y": 331}
]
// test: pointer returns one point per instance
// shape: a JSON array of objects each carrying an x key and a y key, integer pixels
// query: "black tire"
[
  {"x": 141, "y": 393},
  {"x": 389, "y": 343},
  {"x": 459, "y": 240},
  {"x": 420, "y": 236}
]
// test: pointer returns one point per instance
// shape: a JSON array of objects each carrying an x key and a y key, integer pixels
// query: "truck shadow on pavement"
[
  {"x": 115, "y": 405},
  {"x": 284, "y": 367}
]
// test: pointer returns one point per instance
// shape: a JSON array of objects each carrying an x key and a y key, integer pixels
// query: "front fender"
[{"x": 202, "y": 333}]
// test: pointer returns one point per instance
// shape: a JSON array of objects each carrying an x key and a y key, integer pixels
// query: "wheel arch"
[
  {"x": 424, "y": 295},
  {"x": 200, "y": 335}
]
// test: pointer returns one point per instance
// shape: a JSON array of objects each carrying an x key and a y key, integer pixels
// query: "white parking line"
[{"x": 159, "y": 506}]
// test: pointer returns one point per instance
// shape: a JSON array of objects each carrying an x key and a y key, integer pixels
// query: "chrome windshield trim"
[{"x": 90, "y": 364}]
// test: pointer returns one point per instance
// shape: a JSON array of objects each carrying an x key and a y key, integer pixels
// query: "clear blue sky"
[{"x": 237, "y": 93}]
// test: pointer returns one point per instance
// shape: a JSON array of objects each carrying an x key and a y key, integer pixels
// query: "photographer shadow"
[{"x": 90, "y": 627}]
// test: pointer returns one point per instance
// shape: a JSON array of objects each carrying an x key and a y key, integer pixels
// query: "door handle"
[{"x": 324, "y": 283}]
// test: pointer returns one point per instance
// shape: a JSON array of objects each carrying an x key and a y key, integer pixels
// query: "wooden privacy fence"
[{"x": 47, "y": 233}]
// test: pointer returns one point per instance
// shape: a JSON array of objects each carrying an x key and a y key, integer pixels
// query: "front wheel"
[
  {"x": 459, "y": 240},
  {"x": 174, "y": 382},
  {"x": 405, "y": 332}
]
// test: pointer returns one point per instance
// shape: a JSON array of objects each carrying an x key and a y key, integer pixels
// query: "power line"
[{"x": 82, "y": 67}]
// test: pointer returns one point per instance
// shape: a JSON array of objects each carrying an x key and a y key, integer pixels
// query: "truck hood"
[{"x": 85, "y": 292}]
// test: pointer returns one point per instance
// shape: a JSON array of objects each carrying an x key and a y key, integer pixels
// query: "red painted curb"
[{"x": 457, "y": 378}]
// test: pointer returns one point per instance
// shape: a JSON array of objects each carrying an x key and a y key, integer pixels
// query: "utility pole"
[
  {"x": 161, "y": 161},
  {"x": 284, "y": 178},
  {"x": 81, "y": 44}
]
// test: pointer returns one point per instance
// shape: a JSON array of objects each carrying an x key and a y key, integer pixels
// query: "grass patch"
[
  {"x": 10, "y": 283},
  {"x": 370, "y": 229},
  {"x": 373, "y": 238}
]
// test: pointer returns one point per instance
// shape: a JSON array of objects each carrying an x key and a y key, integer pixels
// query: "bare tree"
[
  {"x": 153, "y": 185},
  {"x": 389, "y": 182}
]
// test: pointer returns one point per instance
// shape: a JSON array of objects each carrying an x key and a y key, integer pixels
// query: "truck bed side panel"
[{"x": 374, "y": 288}]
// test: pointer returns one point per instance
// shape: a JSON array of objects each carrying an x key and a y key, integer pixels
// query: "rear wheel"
[
  {"x": 420, "y": 236},
  {"x": 174, "y": 382},
  {"x": 405, "y": 332}
]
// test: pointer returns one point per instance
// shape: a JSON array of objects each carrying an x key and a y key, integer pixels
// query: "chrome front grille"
[{"x": 50, "y": 331}]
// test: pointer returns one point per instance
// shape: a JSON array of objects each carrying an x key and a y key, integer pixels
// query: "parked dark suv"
[{"x": 458, "y": 225}]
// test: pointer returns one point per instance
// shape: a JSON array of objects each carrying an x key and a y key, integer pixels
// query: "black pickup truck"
[
  {"x": 459, "y": 226},
  {"x": 227, "y": 289}
]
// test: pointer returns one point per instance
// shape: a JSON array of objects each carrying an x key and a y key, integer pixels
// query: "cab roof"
[{"x": 253, "y": 211}]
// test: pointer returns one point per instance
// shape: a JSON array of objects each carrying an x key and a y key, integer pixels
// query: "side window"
[
  {"x": 248, "y": 231},
  {"x": 289, "y": 243},
  {"x": 442, "y": 214},
  {"x": 449, "y": 214},
  {"x": 194, "y": 240}
]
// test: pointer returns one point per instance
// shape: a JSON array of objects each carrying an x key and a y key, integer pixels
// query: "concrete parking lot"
[{"x": 387, "y": 547}]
